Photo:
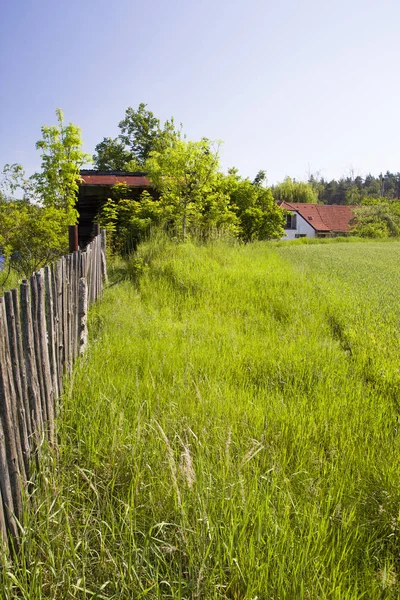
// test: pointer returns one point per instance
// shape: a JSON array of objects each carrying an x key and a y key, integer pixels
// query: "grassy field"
[{"x": 231, "y": 434}]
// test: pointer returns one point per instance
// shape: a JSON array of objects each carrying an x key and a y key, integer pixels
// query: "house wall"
[{"x": 302, "y": 228}]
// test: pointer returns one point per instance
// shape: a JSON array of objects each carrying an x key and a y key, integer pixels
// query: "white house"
[{"x": 316, "y": 220}]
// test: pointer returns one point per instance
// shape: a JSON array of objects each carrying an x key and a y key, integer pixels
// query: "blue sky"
[{"x": 291, "y": 87}]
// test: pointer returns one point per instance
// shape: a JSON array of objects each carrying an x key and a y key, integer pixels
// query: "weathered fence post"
[
  {"x": 82, "y": 315},
  {"x": 30, "y": 362},
  {"x": 51, "y": 324},
  {"x": 18, "y": 396},
  {"x": 104, "y": 257},
  {"x": 48, "y": 392},
  {"x": 22, "y": 368},
  {"x": 9, "y": 429}
]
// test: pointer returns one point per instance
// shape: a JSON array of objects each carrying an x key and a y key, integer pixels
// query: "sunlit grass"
[
  {"x": 9, "y": 279},
  {"x": 231, "y": 433}
]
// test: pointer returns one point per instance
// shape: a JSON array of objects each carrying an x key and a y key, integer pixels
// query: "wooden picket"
[{"x": 43, "y": 331}]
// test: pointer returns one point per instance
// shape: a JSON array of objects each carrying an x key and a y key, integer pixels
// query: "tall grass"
[
  {"x": 232, "y": 433},
  {"x": 8, "y": 279}
]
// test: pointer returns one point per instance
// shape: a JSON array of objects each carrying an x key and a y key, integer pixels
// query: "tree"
[
  {"x": 318, "y": 184},
  {"x": 353, "y": 194},
  {"x": 112, "y": 155},
  {"x": 291, "y": 190},
  {"x": 379, "y": 220},
  {"x": 62, "y": 159},
  {"x": 260, "y": 218},
  {"x": 35, "y": 212},
  {"x": 260, "y": 178},
  {"x": 372, "y": 186},
  {"x": 31, "y": 235},
  {"x": 141, "y": 133},
  {"x": 186, "y": 175}
]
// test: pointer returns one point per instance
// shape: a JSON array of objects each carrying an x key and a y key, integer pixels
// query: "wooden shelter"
[{"x": 96, "y": 187}]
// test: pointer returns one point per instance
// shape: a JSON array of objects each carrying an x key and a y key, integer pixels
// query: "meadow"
[{"x": 232, "y": 432}]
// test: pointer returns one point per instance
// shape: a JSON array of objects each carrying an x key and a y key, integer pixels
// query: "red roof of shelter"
[
  {"x": 112, "y": 177},
  {"x": 323, "y": 217}
]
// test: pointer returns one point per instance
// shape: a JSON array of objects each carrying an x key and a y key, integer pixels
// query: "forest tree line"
[{"x": 356, "y": 189}]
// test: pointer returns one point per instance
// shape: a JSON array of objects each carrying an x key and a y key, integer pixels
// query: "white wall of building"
[{"x": 302, "y": 228}]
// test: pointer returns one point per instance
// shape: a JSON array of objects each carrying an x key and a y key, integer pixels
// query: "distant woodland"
[{"x": 353, "y": 190}]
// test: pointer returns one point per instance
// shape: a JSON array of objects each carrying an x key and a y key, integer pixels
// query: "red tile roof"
[
  {"x": 323, "y": 217},
  {"x": 109, "y": 179}
]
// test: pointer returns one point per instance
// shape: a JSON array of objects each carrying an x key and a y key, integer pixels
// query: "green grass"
[
  {"x": 9, "y": 279},
  {"x": 232, "y": 433}
]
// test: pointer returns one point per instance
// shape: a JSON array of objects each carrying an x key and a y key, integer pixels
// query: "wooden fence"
[{"x": 42, "y": 332}]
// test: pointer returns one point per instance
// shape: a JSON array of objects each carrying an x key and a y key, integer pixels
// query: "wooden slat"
[
  {"x": 65, "y": 295},
  {"x": 96, "y": 254},
  {"x": 99, "y": 268},
  {"x": 52, "y": 328},
  {"x": 83, "y": 309},
  {"x": 103, "y": 257},
  {"x": 77, "y": 279},
  {"x": 6, "y": 486},
  {"x": 10, "y": 393},
  {"x": 30, "y": 361},
  {"x": 8, "y": 418},
  {"x": 22, "y": 369},
  {"x": 36, "y": 342},
  {"x": 72, "y": 306},
  {"x": 75, "y": 302},
  {"x": 58, "y": 286},
  {"x": 3, "y": 524},
  {"x": 89, "y": 272},
  {"x": 94, "y": 271},
  {"x": 69, "y": 311},
  {"x": 16, "y": 387},
  {"x": 44, "y": 362},
  {"x": 99, "y": 280}
]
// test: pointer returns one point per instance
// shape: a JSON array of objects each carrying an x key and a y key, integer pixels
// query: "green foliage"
[
  {"x": 62, "y": 159},
  {"x": 15, "y": 184},
  {"x": 355, "y": 189},
  {"x": 35, "y": 212},
  {"x": 186, "y": 175},
  {"x": 112, "y": 155},
  {"x": 31, "y": 236},
  {"x": 260, "y": 178},
  {"x": 143, "y": 215},
  {"x": 129, "y": 221},
  {"x": 370, "y": 201},
  {"x": 12, "y": 179},
  {"x": 353, "y": 195},
  {"x": 195, "y": 198},
  {"x": 141, "y": 133},
  {"x": 291, "y": 190},
  {"x": 259, "y": 216},
  {"x": 378, "y": 220}
]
